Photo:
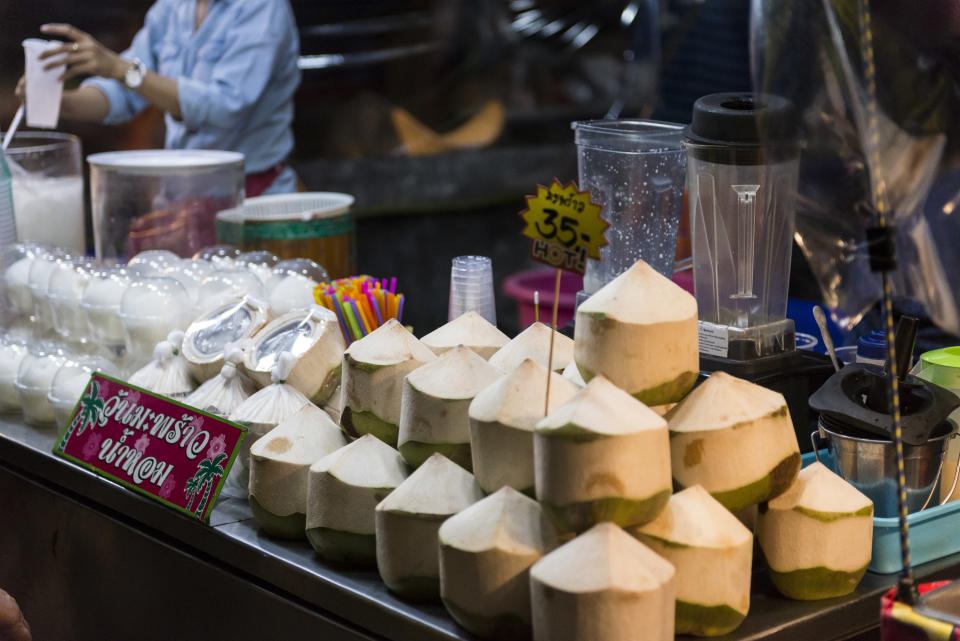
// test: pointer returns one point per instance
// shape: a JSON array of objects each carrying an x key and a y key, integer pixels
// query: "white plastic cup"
[
  {"x": 471, "y": 287},
  {"x": 43, "y": 87}
]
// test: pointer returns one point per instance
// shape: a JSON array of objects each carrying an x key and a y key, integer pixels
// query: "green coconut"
[
  {"x": 502, "y": 419},
  {"x": 736, "y": 439},
  {"x": 486, "y": 552},
  {"x": 471, "y": 330},
  {"x": 372, "y": 380},
  {"x": 279, "y": 464},
  {"x": 534, "y": 343},
  {"x": 640, "y": 331},
  {"x": 343, "y": 490},
  {"x": 712, "y": 553},
  {"x": 408, "y": 522},
  {"x": 817, "y": 536},
  {"x": 606, "y": 585},
  {"x": 602, "y": 456},
  {"x": 435, "y": 402}
]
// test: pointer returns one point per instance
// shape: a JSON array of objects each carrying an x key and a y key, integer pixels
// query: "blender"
[{"x": 743, "y": 154}]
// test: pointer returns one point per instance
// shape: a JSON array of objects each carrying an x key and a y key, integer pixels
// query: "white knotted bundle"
[
  {"x": 168, "y": 373},
  {"x": 224, "y": 393}
]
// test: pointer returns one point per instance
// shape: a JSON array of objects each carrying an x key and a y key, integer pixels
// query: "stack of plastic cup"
[{"x": 471, "y": 287}]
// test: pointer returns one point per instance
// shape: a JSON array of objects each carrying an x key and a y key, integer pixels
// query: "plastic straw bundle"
[{"x": 362, "y": 303}]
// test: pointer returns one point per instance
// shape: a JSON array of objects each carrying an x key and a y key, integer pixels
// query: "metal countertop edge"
[{"x": 368, "y": 605}]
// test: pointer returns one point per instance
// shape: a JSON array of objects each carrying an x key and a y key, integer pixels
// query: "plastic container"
[
  {"x": 12, "y": 353},
  {"x": 41, "y": 268},
  {"x": 933, "y": 532},
  {"x": 942, "y": 366},
  {"x": 635, "y": 169},
  {"x": 161, "y": 199},
  {"x": 153, "y": 262},
  {"x": 191, "y": 272},
  {"x": 34, "y": 377},
  {"x": 522, "y": 285},
  {"x": 743, "y": 158},
  {"x": 47, "y": 181},
  {"x": 259, "y": 263},
  {"x": 65, "y": 295},
  {"x": 8, "y": 234},
  {"x": 872, "y": 349},
  {"x": 225, "y": 285},
  {"x": 71, "y": 381},
  {"x": 101, "y": 304},
  {"x": 150, "y": 309},
  {"x": 17, "y": 260},
  {"x": 471, "y": 288},
  {"x": 318, "y": 225},
  {"x": 292, "y": 283}
]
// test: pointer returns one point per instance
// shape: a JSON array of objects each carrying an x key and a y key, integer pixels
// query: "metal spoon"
[{"x": 821, "y": 319}]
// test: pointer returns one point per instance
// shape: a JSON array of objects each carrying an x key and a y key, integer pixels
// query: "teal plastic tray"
[{"x": 933, "y": 532}]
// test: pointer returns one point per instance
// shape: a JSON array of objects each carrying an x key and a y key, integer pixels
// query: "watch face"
[{"x": 134, "y": 76}]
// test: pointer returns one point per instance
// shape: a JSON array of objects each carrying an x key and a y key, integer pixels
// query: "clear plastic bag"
[{"x": 809, "y": 52}]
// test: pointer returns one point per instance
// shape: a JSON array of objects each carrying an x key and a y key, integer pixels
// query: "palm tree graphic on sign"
[
  {"x": 205, "y": 478},
  {"x": 89, "y": 413}
]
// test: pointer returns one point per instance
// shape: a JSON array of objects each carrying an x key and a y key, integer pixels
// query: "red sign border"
[{"x": 205, "y": 518}]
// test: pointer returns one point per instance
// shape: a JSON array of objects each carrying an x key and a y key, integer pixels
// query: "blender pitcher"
[{"x": 742, "y": 166}]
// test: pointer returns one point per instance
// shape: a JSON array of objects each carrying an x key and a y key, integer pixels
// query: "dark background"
[{"x": 549, "y": 62}]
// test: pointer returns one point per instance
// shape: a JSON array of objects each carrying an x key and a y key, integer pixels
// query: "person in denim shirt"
[{"x": 223, "y": 72}]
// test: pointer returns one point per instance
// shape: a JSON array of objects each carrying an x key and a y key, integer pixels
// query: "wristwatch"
[{"x": 135, "y": 73}]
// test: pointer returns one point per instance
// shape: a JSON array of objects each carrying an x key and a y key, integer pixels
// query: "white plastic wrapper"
[
  {"x": 169, "y": 372},
  {"x": 225, "y": 392},
  {"x": 810, "y": 52}
]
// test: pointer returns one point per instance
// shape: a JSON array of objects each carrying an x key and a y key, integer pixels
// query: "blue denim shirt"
[{"x": 236, "y": 76}]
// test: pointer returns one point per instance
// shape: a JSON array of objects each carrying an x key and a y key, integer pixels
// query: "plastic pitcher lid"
[
  {"x": 942, "y": 366},
  {"x": 873, "y": 345},
  {"x": 165, "y": 161},
  {"x": 742, "y": 120}
]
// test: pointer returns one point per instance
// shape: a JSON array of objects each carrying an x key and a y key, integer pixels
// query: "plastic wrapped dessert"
[
  {"x": 16, "y": 277},
  {"x": 279, "y": 465},
  {"x": 434, "y": 406},
  {"x": 207, "y": 337},
  {"x": 226, "y": 391},
  {"x": 408, "y": 520},
  {"x": 151, "y": 308},
  {"x": 100, "y": 303},
  {"x": 12, "y": 353},
  {"x": 70, "y": 382},
  {"x": 168, "y": 373},
  {"x": 34, "y": 377},
  {"x": 226, "y": 285},
  {"x": 373, "y": 371},
  {"x": 312, "y": 336},
  {"x": 292, "y": 283}
]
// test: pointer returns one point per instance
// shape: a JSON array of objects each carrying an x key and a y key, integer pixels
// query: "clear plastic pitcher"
[
  {"x": 742, "y": 166},
  {"x": 635, "y": 169},
  {"x": 47, "y": 183}
]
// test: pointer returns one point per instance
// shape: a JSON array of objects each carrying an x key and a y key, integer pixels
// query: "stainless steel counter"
[{"x": 278, "y": 576}]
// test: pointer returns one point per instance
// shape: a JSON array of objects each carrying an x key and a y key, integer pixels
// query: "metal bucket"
[{"x": 870, "y": 465}]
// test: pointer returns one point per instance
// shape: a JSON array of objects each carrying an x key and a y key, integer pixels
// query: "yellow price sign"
[{"x": 564, "y": 227}]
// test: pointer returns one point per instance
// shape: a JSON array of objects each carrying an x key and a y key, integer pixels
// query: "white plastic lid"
[
  {"x": 153, "y": 262},
  {"x": 37, "y": 370},
  {"x": 303, "y": 267},
  {"x": 158, "y": 162},
  {"x": 155, "y": 297},
  {"x": 105, "y": 287},
  {"x": 67, "y": 281},
  {"x": 71, "y": 379}
]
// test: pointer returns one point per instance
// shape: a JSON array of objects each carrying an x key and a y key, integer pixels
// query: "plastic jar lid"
[
  {"x": 942, "y": 366},
  {"x": 154, "y": 297},
  {"x": 873, "y": 346},
  {"x": 71, "y": 379}
]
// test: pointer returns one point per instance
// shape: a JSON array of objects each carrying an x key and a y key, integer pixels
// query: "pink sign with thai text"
[{"x": 174, "y": 453}]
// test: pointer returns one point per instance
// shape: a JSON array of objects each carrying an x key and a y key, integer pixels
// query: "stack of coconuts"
[{"x": 447, "y": 474}]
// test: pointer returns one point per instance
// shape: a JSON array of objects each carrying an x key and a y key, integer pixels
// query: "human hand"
[
  {"x": 21, "y": 91},
  {"x": 13, "y": 627},
  {"x": 83, "y": 54}
]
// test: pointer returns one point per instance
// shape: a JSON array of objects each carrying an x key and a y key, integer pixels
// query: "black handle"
[{"x": 905, "y": 340}]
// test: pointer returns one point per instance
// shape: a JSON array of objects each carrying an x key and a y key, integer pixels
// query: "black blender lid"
[
  {"x": 856, "y": 397},
  {"x": 742, "y": 120}
]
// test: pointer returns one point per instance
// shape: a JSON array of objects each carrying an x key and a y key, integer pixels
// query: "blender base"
[{"x": 796, "y": 375}]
